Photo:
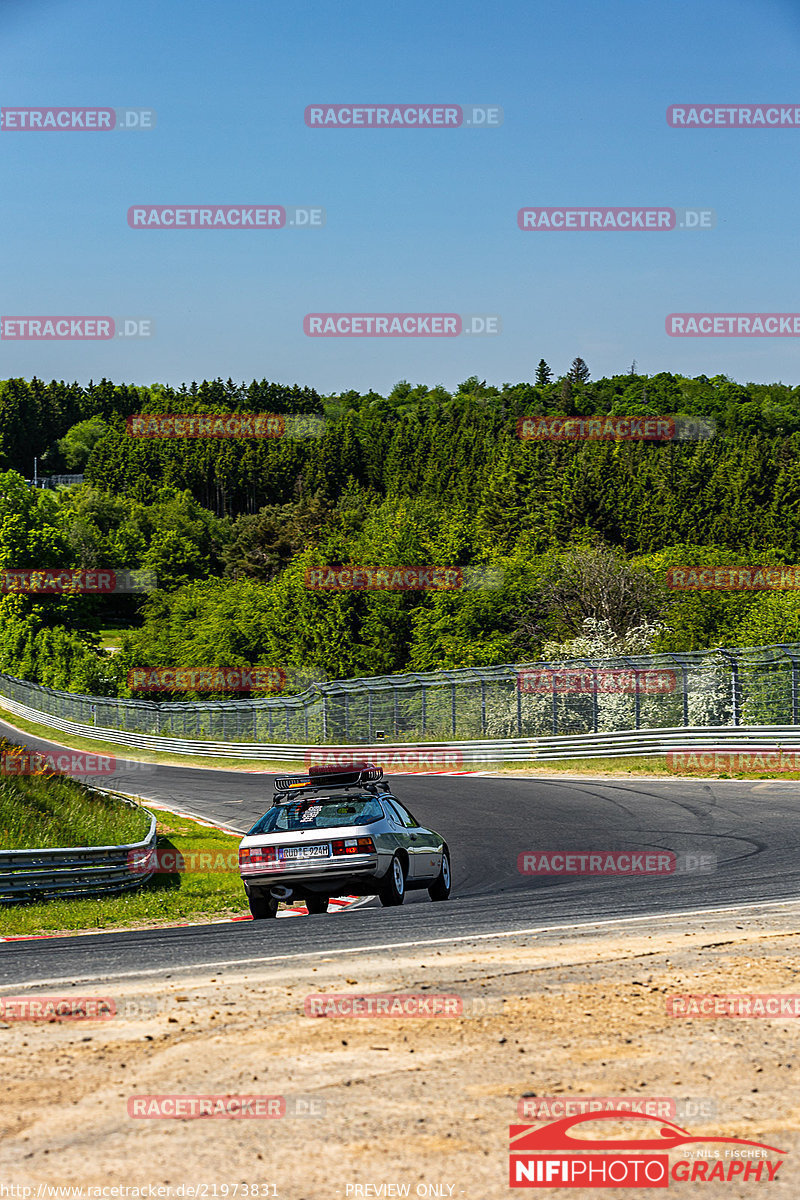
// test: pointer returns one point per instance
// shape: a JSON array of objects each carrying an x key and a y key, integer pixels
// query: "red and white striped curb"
[
  {"x": 407, "y": 774},
  {"x": 297, "y": 910},
  {"x": 300, "y": 910},
  {"x": 447, "y": 772}
]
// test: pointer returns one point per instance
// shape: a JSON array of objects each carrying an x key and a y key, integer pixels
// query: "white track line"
[
  {"x": 446, "y": 941},
  {"x": 189, "y": 816}
]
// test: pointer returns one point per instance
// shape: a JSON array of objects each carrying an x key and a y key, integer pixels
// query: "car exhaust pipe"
[{"x": 280, "y": 892}]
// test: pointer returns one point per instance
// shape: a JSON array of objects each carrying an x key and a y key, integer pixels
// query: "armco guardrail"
[
  {"x": 647, "y": 743},
  {"x": 75, "y": 871}
]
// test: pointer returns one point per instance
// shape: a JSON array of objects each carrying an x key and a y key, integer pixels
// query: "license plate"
[{"x": 303, "y": 852}]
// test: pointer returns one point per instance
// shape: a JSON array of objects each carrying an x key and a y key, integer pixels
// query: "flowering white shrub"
[
  {"x": 708, "y": 686},
  {"x": 710, "y": 694}
]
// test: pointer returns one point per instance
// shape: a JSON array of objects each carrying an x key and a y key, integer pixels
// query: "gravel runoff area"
[{"x": 387, "y": 1105}]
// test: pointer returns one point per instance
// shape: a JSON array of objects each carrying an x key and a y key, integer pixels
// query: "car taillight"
[
  {"x": 257, "y": 855},
  {"x": 362, "y": 845}
]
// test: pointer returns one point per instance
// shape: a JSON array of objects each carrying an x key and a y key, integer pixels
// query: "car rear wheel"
[
  {"x": 262, "y": 906},
  {"x": 316, "y": 903},
  {"x": 440, "y": 890},
  {"x": 393, "y": 891}
]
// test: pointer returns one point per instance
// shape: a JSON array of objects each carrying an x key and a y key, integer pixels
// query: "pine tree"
[
  {"x": 543, "y": 374},
  {"x": 578, "y": 372}
]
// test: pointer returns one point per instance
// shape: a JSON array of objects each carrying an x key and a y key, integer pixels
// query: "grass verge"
[
  {"x": 43, "y": 809},
  {"x": 48, "y": 734},
  {"x": 214, "y": 890},
  {"x": 38, "y": 812},
  {"x": 638, "y": 766}
]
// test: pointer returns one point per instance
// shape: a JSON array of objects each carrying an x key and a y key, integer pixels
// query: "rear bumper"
[{"x": 354, "y": 874}]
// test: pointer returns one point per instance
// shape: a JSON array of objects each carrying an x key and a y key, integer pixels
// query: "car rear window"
[{"x": 319, "y": 812}]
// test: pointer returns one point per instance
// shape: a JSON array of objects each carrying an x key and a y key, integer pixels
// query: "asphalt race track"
[{"x": 752, "y": 830}]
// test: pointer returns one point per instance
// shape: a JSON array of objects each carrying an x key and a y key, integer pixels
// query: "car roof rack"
[{"x": 361, "y": 776}]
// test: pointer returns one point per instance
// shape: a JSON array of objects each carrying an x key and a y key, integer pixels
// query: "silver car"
[{"x": 339, "y": 833}]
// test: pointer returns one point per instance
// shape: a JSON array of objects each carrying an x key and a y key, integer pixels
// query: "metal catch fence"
[{"x": 723, "y": 687}]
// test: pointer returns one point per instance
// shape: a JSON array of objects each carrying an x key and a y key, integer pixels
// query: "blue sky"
[{"x": 417, "y": 221}]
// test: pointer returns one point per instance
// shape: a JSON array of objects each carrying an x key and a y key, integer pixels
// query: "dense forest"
[{"x": 575, "y": 532}]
